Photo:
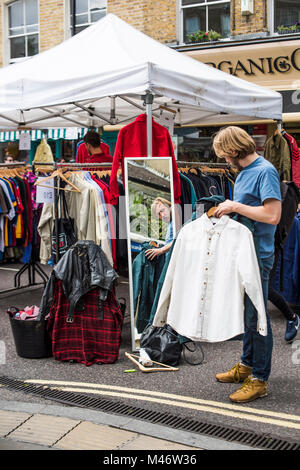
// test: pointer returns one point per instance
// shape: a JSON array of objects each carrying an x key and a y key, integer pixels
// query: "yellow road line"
[{"x": 88, "y": 386}]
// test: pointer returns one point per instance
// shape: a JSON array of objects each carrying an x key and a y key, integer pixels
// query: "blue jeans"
[{"x": 257, "y": 349}]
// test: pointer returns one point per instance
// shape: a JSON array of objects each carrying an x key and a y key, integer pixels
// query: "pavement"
[
  {"x": 27, "y": 426},
  {"x": 31, "y": 422}
]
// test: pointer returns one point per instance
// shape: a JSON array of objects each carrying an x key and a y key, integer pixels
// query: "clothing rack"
[
  {"x": 66, "y": 166},
  {"x": 32, "y": 267},
  {"x": 224, "y": 166}
]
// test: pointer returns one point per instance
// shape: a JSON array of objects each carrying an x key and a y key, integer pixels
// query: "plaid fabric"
[{"x": 87, "y": 340}]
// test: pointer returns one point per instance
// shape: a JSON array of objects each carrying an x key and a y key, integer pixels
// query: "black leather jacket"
[{"x": 82, "y": 268}]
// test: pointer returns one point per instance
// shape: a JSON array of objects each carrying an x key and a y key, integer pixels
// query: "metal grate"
[{"x": 230, "y": 434}]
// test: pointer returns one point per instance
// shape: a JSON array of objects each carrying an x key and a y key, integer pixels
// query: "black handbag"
[
  {"x": 162, "y": 344},
  {"x": 165, "y": 345},
  {"x": 65, "y": 236}
]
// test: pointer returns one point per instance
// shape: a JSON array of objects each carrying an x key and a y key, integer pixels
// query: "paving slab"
[
  {"x": 43, "y": 429},
  {"x": 10, "y": 421},
  {"x": 90, "y": 436}
]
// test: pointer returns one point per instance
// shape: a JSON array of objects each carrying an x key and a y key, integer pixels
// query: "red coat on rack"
[
  {"x": 295, "y": 158},
  {"x": 132, "y": 142}
]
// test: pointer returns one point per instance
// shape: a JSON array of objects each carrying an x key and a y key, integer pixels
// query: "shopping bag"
[{"x": 65, "y": 233}]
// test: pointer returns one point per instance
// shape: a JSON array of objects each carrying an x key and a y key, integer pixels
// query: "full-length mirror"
[{"x": 150, "y": 216}]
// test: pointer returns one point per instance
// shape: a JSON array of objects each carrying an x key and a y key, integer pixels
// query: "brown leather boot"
[
  {"x": 236, "y": 374},
  {"x": 249, "y": 391}
]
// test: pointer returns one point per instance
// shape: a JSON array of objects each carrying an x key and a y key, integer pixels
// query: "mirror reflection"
[{"x": 151, "y": 228}]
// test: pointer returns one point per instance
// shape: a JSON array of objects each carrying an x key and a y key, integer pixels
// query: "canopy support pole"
[
  {"x": 149, "y": 101},
  {"x": 279, "y": 125},
  {"x": 113, "y": 110}
]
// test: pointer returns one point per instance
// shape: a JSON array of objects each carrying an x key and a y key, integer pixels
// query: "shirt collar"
[{"x": 212, "y": 227}]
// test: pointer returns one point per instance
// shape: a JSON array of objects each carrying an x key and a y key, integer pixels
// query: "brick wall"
[
  {"x": 156, "y": 18},
  {"x": 52, "y": 23},
  {"x": 249, "y": 24}
]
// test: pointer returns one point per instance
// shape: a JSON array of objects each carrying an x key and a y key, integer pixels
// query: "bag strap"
[
  {"x": 65, "y": 206},
  {"x": 184, "y": 347}
]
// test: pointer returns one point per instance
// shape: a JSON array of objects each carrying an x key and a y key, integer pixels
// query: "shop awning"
[
  {"x": 55, "y": 88},
  {"x": 67, "y": 133}
]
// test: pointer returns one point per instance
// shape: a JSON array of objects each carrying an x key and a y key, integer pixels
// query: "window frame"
[
  {"x": 271, "y": 14},
  {"x": 24, "y": 35},
  {"x": 205, "y": 4},
  {"x": 88, "y": 12}
]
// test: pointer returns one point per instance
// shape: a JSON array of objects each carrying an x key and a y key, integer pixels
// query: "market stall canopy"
[{"x": 100, "y": 76}]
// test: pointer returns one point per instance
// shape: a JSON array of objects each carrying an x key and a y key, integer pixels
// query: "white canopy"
[{"x": 72, "y": 84}]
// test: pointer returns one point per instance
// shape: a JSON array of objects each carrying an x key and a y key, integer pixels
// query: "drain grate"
[{"x": 249, "y": 438}]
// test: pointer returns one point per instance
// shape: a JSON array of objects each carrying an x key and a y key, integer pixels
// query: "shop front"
[{"x": 273, "y": 64}]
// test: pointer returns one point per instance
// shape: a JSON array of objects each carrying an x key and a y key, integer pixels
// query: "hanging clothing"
[
  {"x": 83, "y": 156},
  {"x": 132, "y": 142},
  {"x": 290, "y": 266},
  {"x": 90, "y": 213},
  {"x": 17, "y": 215},
  {"x": 145, "y": 275},
  {"x": 85, "y": 319},
  {"x": 221, "y": 255},
  {"x": 43, "y": 154},
  {"x": 295, "y": 157},
  {"x": 278, "y": 153}
]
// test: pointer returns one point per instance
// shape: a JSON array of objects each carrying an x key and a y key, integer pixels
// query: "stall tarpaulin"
[{"x": 72, "y": 84}]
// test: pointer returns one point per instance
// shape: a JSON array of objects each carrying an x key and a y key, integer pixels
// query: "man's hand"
[
  {"x": 226, "y": 207},
  {"x": 153, "y": 253}
]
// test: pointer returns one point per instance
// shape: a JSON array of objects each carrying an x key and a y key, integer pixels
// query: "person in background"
[
  {"x": 162, "y": 209},
  {"x": 292, "y": 319},
  {"x": 92, "y": 150},
  {"x": 9, "y": 159},
  {"x": 256, "y": 196}
]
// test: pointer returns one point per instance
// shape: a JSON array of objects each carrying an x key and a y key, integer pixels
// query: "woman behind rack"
[{"x": 92, "y": 150}]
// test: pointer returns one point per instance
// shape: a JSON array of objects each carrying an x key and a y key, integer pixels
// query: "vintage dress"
[
  {"x": 132, "y": 142},
  {"x": 209, "y": 304}
]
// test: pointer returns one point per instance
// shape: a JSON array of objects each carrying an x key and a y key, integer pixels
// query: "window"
[
  {"x": 87, "y": 12},
  {"x": 23, "y": 28},
  {"x": 205, "y": 15},
  {"x": 286, "y": 16}
]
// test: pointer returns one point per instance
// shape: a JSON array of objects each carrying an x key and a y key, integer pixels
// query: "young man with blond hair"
[{"x": 256, "y": 196}]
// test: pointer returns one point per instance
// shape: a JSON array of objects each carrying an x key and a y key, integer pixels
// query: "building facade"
[{"x": 256, "y": 40}]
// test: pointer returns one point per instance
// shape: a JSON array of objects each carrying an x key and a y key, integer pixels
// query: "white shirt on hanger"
[{"x": 213, "y": 264}]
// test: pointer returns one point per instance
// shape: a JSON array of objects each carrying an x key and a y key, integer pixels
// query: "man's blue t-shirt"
[{"x": 256, "y": 183}]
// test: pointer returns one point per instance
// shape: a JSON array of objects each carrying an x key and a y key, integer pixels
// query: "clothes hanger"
[
  {"x": 60, "y": 174},
  {"x": 211, "y": 211},
  {"x": 163, "y": 368}
]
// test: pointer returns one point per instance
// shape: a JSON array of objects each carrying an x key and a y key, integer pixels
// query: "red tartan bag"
[{"x": 87, "y": 339}]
